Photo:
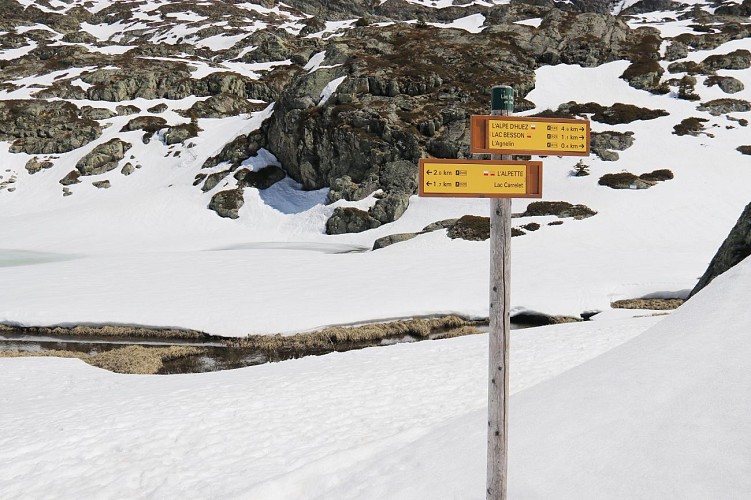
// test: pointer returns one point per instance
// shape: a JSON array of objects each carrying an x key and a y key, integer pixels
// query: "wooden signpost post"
[{"x": 501, "y": 179}]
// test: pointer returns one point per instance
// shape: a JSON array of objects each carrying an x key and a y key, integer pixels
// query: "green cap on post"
[{"x": 502, "y": 98}]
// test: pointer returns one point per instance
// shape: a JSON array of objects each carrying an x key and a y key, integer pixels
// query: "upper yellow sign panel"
[{"x": 524, "y": 135}]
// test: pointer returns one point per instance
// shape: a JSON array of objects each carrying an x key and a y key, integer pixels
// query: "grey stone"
[
  {"x": 602, "y": 143},
  {"x": 213, "y": 180},
  {"x": 103, "y": 158},
  {"x": 723, "y": 106},
  {"x": 727, "y": 84},
  {"x": 343, "y": 188},
  {"x": 221, "y": 106},
  {"x": 158, "y": 108},
  {"x": 738, "y": 59},
  {"x": 227, "y": 203},
  {"x": 735, "y": 248},
  {"x": 625, "y": 180},
  {"x": 561, "y": 209},
  {"x": 262, "y": 179},
  {"x": 127, "y": 110},
  {"x": 102, "y": 184},
  {"x": 34, "y": 165},
  {"x": 676, "y": 50},
  {"x": 37, "y": 126},
  {"x": 180, "y": 133},
  {"x": 350, "y": 220},
  {"x": 91, "y": 113},
  {"x": 393, "y": 238},
  {"x": 390, "y": 208},
  {"x": 128, "y": 169},
  {"x": 70, "y": 178}
]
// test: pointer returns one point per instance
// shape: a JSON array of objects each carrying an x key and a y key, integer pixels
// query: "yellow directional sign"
[
  {"x": 529, "y": 136},
  {"x": 480, "y": 178}
]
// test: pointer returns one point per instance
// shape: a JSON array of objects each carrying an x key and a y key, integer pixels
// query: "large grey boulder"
[
  {"x": 723, "y": 106},
  {"x": 227, "y": 203},
  {"x": 727, "y": 84},
  {"x": 350, "y": 220},
  {"x": 103, "y": 158},
  {"x": 738, "y": 59},
  {"x": 602, "y": 143},
  {"x": 735, "y": 248}
]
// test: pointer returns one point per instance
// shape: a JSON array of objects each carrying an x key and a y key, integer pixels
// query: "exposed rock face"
[
  {"x": 227, "y": 203},
  {"x": 627, "y": 180},
  {"x": 150, "y": 124},
  {"x": 71, "y": 178},
  {"x": 612, "y": 115},
  {"x": 180, "y": 133},
  {"x": 728, "y": 84},
  {"x": 221, "y": 106},
  {"x": 690, "y": 126},
  {"x": 719, "y": 107},
  {"x": 103, "y": 158},
  {"x": 470, "y": 227},
  {"x": 739, "y": 59},
  {"x": 735, "y": 248},
  {"x": 603, "y": 142},
  {"x": 350, "y": 220},
  {"x": 392, "y": 239},
  {"x": 262, "y": 179},
  {"x": 44, "y": 127},
  {"x": 558, "y": 208},
  {"x": 239, "y": 149},
  {"x": 34, "y": 165}
]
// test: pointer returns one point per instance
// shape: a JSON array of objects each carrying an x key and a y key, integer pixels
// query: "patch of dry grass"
[
  {"x": 651, "y": 304},
  {"x": 106, "y": 331},
  {"x": 330, "y": 338},
  {"x": 133, "y": 359}
]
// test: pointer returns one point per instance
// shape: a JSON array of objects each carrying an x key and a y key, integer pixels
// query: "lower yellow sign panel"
[{"x": 480, "y": 178}]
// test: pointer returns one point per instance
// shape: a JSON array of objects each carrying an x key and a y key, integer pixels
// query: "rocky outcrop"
[
  {"x": 239, "y": 149},
  {"x": 602, "y": 143},
  {"x": 222, "y": 106},
  {"x": 735, "y": 248},
  {"x": 227, "y": 203},
  {"x": 392, "y": 239},
  {"x": 738, "y": 59},
  {"x": 727, "y": 84},
  {"x": 103, "y": 158},
  {"x": 180, "y": 133},
  {"x": 471, "y": 228},
  {"x": 612, "y": 115},
  {"x": 719, "y": 107},
  {"x": 34, "y": 165},
  {"x": 690, "y": 126},
  {"x": 45, "y": 127},
  {"x": 561, "y": 209},
  {"x": 350, "y": 220},
  {"x": 627, "y": 180},
  {"x": 261, "y": 179}
]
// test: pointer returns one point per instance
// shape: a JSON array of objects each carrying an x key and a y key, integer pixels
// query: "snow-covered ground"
[
  {"x": 149, "y": 239},
  {"x": 654, "y": 408}
]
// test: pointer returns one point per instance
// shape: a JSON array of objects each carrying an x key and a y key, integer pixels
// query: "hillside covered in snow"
[{"x": 229, "y": 167}]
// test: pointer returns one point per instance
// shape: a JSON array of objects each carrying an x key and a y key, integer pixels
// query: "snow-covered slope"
[
  {"x": 663, "y": 415},
  {"x": 147, "y": 251}
]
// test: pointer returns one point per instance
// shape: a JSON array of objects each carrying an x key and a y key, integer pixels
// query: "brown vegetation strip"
[
  {"x": 651, "y": 304},
  {"x": 132, "y": 359},
  {"x": 107, "y": 331},
  {"x": 336, "y": 336}
]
